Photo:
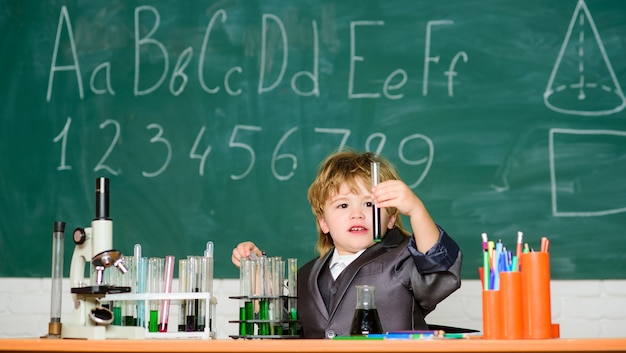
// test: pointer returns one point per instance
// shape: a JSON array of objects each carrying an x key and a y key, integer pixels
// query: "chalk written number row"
[{"x": 374, "y": 142}]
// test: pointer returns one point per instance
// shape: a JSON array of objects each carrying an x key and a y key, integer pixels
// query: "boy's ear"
[
  {"x": 323, "y": 226},
  {"x": 392, "y": 222}
]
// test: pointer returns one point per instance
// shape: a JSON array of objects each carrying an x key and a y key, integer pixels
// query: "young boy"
[{"x": 411, "y": 273}]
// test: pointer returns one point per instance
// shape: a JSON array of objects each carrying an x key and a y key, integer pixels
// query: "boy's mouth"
[{"x": 358, "y": 229}]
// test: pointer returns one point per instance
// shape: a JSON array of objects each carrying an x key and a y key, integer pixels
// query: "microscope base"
[{"x": 103, "y": 332}]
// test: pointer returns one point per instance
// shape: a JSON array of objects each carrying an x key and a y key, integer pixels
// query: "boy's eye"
[
  {"x": 369, "y": 204},
  {"x": 342, "y": 205}
]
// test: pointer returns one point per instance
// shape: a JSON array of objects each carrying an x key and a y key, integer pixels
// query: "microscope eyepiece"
[{"x": 102, "y": 198}]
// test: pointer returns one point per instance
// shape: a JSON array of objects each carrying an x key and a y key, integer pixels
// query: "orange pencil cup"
[
  {"x": 537, "y": 315},
  {"x": 511, "y": 299},
  {"x": 492, "y": 315}
]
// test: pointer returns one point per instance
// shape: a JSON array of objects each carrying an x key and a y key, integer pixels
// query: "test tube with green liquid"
[
  {"x": 128, "y": 280},
  {"x": 264, "y": 327},
  {"x": 156, "y": 268},
  {"x": 244, "y": 292},
  {"x": 115, "y": 279},
  {"x": 292, "y": 292}
]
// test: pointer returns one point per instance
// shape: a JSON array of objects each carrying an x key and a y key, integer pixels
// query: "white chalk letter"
[
  {"x": 427, "y": 57},
  {"x": 148, "y": 40},
  {"x": 264, "y": 48},
  {"x": 354, "y": 57},
  {"x": 64, "y": 17},
  {"x": 314, "y": 76}
]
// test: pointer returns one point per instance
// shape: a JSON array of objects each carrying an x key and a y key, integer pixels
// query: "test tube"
[
  {"x": 156, "y": 268},
  {"x": 183, "y": 265},
  {"x": 129, "y": 280},
  {"x": 54, "y": 326},
  {"x": 140, "y": 284},
  {"x": 208, "y": 279},
  {"x": 292, "y": 288},
  {"x": 264, "y": 273},
  {"x": 114, "y": 279},
  {"x": 192, "y": 287},
  {"x": 202, "y": 283},
  {"x": 208, "y": 254},
  {"x": 375, "y": 174},
  {"x": 244, "y": 292},
  {"x": 167, "y": 288},
  {"x": 276, "y": 307},
  {"x": 142, "y": 273}
]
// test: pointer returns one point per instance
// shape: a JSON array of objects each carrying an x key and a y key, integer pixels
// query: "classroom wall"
[{"x": 583, "y": 308}]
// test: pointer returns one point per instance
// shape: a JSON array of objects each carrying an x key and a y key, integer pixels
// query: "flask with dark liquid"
[{"x": 365, "y": 320}]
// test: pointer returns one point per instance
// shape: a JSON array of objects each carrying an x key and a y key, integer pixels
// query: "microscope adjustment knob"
[{"x": 79, "y": 236}]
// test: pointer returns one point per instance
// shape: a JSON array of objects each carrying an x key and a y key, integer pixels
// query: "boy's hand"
[
  {"x": 244, "y": 250},
  {"x": 395, "y": 193}
]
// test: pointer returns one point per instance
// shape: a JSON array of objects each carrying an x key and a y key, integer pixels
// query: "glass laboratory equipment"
[{"x": 365, "y": 320}]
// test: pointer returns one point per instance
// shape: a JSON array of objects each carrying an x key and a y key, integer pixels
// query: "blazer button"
[{"x": 330, "y": 333}]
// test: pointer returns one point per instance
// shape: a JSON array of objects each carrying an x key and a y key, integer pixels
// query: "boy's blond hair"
[{"x": 347, "y": 167}]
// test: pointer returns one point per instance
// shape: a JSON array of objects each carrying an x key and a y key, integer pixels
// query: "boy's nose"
[{"x": 357, "y": 215}]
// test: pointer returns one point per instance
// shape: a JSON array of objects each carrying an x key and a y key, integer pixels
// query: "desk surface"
[{"x": 312, "y": 346}]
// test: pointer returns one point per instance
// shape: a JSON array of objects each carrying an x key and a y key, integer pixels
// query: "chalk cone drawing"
[{"x": 583, "y": 81}]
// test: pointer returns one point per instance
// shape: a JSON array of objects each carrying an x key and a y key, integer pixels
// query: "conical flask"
[{"x": 365, "y": 320}]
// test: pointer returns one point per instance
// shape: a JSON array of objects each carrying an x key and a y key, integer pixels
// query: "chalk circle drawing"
[
  {"x": 586, "y": 172},
  {"x": 583, "y": 81}
]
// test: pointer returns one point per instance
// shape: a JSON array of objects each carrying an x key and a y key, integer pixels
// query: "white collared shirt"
[{"x": 339, "y": 262}]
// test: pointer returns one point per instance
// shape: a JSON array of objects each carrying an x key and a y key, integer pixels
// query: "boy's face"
[{"x": 348, "y": 217}]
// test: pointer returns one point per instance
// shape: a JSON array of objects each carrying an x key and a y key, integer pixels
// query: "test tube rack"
[
  {"x": 175, "y": 299},
  {"x": 289, "y": 322}
]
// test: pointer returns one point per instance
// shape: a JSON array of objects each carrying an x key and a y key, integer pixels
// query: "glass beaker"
[{"x": 365, "y": 320}]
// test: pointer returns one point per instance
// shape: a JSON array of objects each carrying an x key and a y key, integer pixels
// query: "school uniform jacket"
[{"x": 408, "y": 285}]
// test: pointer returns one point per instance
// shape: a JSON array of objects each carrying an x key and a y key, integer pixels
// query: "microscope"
[{"x": 91, "y": 320}]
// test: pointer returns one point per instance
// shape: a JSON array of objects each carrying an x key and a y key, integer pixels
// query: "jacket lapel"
[{"x": 314, "y": 289}]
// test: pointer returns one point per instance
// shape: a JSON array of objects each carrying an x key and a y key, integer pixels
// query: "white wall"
[{"x": 584, "y": 309}]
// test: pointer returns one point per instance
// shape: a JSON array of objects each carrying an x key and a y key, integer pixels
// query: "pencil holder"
[
  {"x": 511, "y": 300},
  {"x": 492, "y": 315},
  {"x": 537, "y": 315}
]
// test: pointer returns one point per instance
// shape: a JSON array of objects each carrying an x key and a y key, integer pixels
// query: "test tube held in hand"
[{"x": 375, "y": 174}]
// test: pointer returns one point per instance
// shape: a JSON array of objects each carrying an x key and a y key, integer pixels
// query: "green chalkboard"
[{"x": 210, "y": 118}]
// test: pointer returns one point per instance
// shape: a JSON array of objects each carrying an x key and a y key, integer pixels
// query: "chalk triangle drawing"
[{"x": 583, "y": 81}]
